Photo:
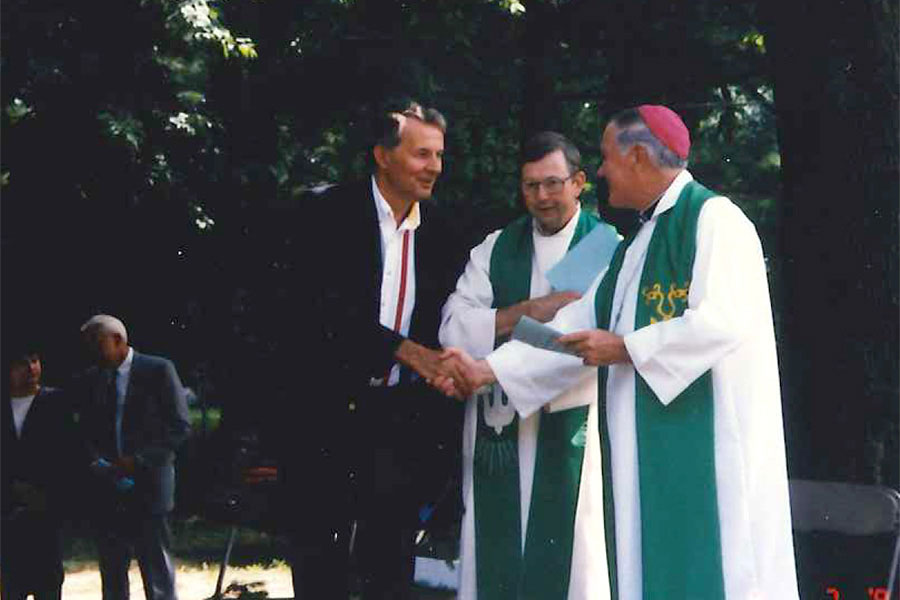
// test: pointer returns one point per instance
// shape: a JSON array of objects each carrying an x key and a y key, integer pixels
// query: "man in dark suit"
[
  {"x": 134, "y": 418},
  {"x": 378, "y": 265},
  {"x": 36, "y": 440}
]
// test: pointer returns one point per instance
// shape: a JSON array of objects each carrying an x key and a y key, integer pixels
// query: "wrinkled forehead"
[
  {"x": 416, "y": 134},
  {"x": 414, "y": 126},
  {"x": 97, "y": 333}
]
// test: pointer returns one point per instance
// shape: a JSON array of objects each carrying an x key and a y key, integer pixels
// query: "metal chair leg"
[
  {"x": 232, "y": 535},
  {"x": 892, "y": 579}
]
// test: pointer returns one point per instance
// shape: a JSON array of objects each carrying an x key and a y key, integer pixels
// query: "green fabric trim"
[
  {"x": 502, "y": 571},
  {"x": 511, "y": 263},
  {"x": 680, "y": 542},
  {"x": 497, "y": 516},
  {"x": 554, "y": 500},
  {"x": 603, "y": 304},
  {"x": 498, "y": 553}
]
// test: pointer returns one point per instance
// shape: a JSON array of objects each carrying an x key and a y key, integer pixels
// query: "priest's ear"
[
  {"x": 639, "y": 156},
  {"x": 579, "y": 179},
  {"x": 641, "y": 160}
]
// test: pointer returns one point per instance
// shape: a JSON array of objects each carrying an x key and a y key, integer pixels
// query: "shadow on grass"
[
  {"x": 198, "y": 540},
  {"x": 195, "y": 541}
]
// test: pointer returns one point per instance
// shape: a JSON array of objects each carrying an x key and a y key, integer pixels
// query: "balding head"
[
  {"x": 107, "y": 339},
  {"x": 105, "y": 324}
]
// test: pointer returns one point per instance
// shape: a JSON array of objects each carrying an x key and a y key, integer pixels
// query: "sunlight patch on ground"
[{"x": 191, "y": 584}]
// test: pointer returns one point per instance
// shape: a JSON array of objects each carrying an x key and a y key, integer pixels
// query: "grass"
[
  {"x": 198, "y": 545},
  {"x": 196, "y": 542}
]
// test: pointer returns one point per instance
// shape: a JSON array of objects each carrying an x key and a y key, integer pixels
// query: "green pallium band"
[{"x": 680, "y": 541}]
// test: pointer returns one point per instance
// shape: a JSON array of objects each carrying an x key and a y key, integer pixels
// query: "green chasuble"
[
  {"x": 680, "y": 544},
  {"x": 503, "y": 572}
]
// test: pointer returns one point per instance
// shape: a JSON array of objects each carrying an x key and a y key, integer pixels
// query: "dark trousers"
[
  {"x": 314, "y": 513},
  {"x": 392, "y": 432},
  {"x": 386, "y": 528},
  {"x": 148, "y": 537},
  {"x": 373, "y": 485},
  {"x": 31, "y": 557},
  {"x": 319, "y": 566}
]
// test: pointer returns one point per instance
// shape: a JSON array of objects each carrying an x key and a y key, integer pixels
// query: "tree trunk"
[{"x": 836, "y": 89}]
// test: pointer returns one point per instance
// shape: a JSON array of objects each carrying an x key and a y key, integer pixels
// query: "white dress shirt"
[
  {"x": 123, "y": 376},
  {"x": 20, "y": 406},
  {"x": 397, "y": 250}
]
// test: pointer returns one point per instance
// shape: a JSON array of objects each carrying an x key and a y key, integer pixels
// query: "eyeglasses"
[{"x": 553, "y": 185}]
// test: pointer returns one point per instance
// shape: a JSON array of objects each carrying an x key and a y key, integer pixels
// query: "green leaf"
[{"x": 191, "y": 97}]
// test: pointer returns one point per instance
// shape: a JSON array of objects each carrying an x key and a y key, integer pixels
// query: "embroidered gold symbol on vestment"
[{"x": 666, "y": 307}]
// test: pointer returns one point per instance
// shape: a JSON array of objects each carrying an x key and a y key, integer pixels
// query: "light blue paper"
[
  {"x": 539, "y": 335},
  {"x": 581, "y": 265}
]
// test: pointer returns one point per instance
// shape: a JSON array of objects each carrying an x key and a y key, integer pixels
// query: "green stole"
[
  {"x": 680, "y": 544},
  {"x": 503, "y": 572}
]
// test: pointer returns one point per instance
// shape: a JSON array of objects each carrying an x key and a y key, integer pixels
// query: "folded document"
[{"x": 537, "y": 334}]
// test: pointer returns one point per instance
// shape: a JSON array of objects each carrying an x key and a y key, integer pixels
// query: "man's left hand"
[{"x": 597, "y": 347}]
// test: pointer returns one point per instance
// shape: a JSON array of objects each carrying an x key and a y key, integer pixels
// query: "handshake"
[
  {"x": 459, "y": 375},
  {"x": 454, "y": 373},
  {"x": 451, "y": 371}
]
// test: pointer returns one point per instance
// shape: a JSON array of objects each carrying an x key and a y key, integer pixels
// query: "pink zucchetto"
[{"x": 668, "y": 128}]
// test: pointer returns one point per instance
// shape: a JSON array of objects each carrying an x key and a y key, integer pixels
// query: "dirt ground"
[
  {"x": 192, "y": 584},
  {"x": 200, "y": 583}
]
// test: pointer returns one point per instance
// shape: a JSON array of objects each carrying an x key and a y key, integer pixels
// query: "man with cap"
[
  {"x": 680, "y": 326},
  {"x": 532, "y": 480}
]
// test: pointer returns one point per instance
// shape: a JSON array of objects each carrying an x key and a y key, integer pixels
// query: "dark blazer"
[
  {"x": 155, "y": 422},
  {"x": 347, "y": 267},
  {"x": 336, "y": 342},
  {"x": 42, "y": 455}
]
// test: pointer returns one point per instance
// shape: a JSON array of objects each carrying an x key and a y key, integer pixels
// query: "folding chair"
[{"x": 847, "y": 539}]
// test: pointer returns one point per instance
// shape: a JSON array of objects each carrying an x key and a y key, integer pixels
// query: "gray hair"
[
  {"x": 105, "y": 324},
  {"x": 634, "y": 131},
  {"x": 389, "y": 124}
]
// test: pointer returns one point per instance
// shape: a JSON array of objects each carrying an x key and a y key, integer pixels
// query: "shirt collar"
[
  {"x": 125, "y": 367},
  {"x": 567, "y": 229},
  {"x": 386, "y": 214},
  {"x": 670, "y": 196}
]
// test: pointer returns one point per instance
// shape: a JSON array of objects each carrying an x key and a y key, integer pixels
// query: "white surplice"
[
  {"x": 469, "y": 322},
  {"x": 727, "y": 328}
]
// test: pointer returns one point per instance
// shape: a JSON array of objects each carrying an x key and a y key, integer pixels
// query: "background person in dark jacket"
[{"x": 36, "y": 437}]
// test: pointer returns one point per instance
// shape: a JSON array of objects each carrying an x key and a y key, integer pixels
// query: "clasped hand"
[
  {"x": 459, "y": 375},
  {"x": 454, "y": 373}
]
